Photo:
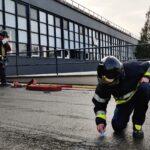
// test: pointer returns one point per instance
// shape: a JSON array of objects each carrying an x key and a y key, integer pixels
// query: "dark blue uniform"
[
  {"x": 129, "y": 94},
  {"x": 4, "y": 48}
]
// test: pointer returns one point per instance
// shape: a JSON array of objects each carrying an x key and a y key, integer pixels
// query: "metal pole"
[
  {"x": 56, "y": 61},
  {"x": 17, "y": 66}
]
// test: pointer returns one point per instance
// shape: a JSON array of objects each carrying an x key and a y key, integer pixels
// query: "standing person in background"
[
  {"x": 4, "y": 48},
  {"x": 129, "y": 83}
]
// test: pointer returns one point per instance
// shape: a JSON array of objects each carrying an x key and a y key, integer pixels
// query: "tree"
[{"x": 143, "y": 51}]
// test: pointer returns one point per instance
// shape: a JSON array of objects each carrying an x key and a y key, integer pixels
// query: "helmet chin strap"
[
  {"x": 104, "y": 82},
  {"x": 107, "y": 79}
]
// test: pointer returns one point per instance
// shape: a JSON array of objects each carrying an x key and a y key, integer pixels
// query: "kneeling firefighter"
[{"x": 129, "y": 83}]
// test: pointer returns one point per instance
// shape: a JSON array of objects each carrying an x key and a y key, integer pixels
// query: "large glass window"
[
  {"x": 13, "y": 48},
  {"x": 65, "y": 34},
  {"x": 10, "y": 6},
  {"x": 42, "y": 17},
  {"x": 58, "y": 43},
  {"x": 51, "y": 42},
  {"x": 33, "y": 14},
  {"x": 71, "y": 36},
  {"x": 22, "y": 36},
  {"x": 12, "y": 34},
  {"x": 50, "y": 19},
  {"x": 21, "y": 10},
  {"x": 0, "y": 4},
  {"x": 70, "y": 26},
  {"x": 57, "y": 21},
  {"x": 1, "y": 18},
  {"x": 10, "y": 20},
  {"x": 22, "y": 23},
  {"x": 43, "y": 40},
  {"x": 58, "y": 32},
  {"x": 22, "y": 49},
  {"x": 65, "y": 25},
  {"x": 51, "y": 30},
  {"x": 66, "y": 44},
  {"x": 43, "y": 28},
  {"x": 34, "y": 26},
  {"x": 35, "y": 51},
  {"x": 51, "y": 34},
  {"x": 34, "y": 38}
]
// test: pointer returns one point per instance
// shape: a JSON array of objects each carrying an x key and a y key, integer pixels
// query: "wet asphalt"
[{"x": 64, "y": 120}]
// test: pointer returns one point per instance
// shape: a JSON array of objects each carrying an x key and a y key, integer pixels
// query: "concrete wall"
[{"x": 69, "y": 13}]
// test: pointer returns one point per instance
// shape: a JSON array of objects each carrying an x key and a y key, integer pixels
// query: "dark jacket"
[
  {"x": 123, "y": 91},
  {"x": 4, "y": 48}
]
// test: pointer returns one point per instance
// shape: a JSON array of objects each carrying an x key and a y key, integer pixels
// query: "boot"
[{"x": 137, "y": 131}]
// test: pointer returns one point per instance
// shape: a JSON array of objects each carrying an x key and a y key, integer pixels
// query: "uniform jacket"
[{"x": 4, "y": 48}]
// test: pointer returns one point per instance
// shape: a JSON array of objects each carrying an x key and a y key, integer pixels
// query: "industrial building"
[{"x": 52, "y": 36}]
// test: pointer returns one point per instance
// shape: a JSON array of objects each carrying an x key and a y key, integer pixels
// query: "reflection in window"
[
  {"x": 22, "y": 36},
  {"x": 1, "y": 20},
  {"x": 34, "y": 38},
  {"x": 22, "y": 49},
  {"x": 51, "y": 30},
  {"x": 33, "y": 14},
  {"x": 34, "y": 26},
  {"x": 44, "y": 51},
  {"x": 42, "y": 17},
  {"x": 43, "y": 40},
  {"x": 22, "y": 23},
  {"x": 10, "y": 6},
  {"x": 21, "y": 10},
  {"x": 50, "y": 19},
  {"x": 59, "y": 54},
  {"x": 13, "y": 48},
  {"x": 42, "y": 28},
  {"x": 51, "y": 53},
  {"x": 10, "y": 20},
  {"x": 35, "y": 51},
  {"x": 67, "y": 54}
]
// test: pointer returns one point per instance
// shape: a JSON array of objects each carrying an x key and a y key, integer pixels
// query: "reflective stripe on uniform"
[
  {"x": 101, "y": 114},
  {"x": 147, "y": 74},
  {"x": 128, "y": 95},
  {"x": 125, "y": 98},
  {"x": 97, "y": 98},
  {"x": 138, "y": 127}
]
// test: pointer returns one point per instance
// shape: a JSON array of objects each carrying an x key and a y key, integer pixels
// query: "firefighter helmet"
[
  {"x": 110, "y": 68},
  {"x": 4, "y": 33}
]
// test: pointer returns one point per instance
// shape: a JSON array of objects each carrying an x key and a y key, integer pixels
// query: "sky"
[{"x": 128, "y": 14}]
